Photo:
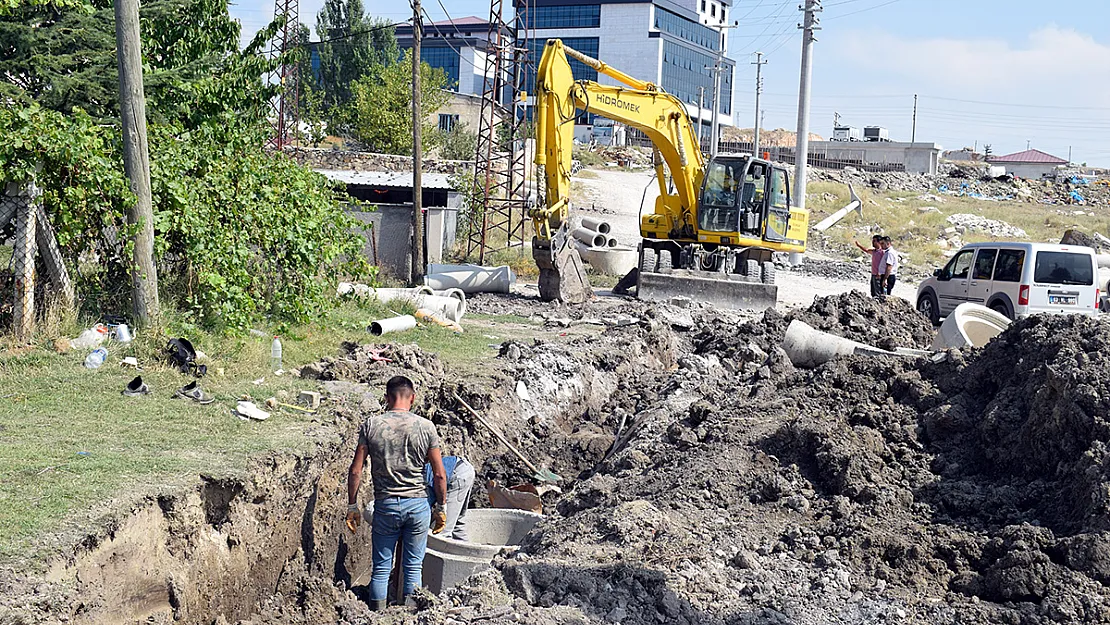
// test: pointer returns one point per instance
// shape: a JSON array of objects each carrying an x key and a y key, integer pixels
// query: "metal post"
[
  {"x": 701, "y": 105},
  {"x": 417, "y": 152},
  {"x": 136, "y": 161},
  {"x": 759, "y": 63},
  {"x": 23, "y": 258},
  {"x": 913, "y": 133},
  {"x": 714, "y": 118},
  {"x": 801, "y": 147}
]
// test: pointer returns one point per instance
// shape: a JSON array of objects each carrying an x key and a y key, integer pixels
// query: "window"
[
  {"x": 724, "y": 15},
  {"x": 703, "y": 6},
  {"x": 958, "y": 267},
  {"x": 447, "y": 121},
  {"x": 778, "y": 189},
  {"x": 684, "y": 70},
  {"x": 713, "y": 10},
  {"x": 444, "y": 58},
  {"x": 585, "y": 45},
  {"x": 1009, "y": 265},
  {"x": 582, "y": 16},
  {"x": 675, "y": 24},
  {"x": 984, "y": 263},
  {"x": 1064, "y": 268}
]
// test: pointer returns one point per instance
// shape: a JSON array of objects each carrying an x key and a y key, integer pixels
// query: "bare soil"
[{"x": 707, "y": 480}]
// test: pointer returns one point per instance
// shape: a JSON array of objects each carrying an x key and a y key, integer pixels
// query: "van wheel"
[
  {"x": 927, "y": 305},
  {"x": 1000, "y": 308}
]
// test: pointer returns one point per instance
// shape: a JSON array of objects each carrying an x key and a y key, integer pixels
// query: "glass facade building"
[
  {"x": 443, "y": 58},
  {"x": 580, "y": 16},
  {"x": 684, "y": 70},
  {"x": 674, "y": 24}
]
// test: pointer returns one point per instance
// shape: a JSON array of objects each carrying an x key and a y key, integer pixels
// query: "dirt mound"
[{"x": 887, "y": 323}]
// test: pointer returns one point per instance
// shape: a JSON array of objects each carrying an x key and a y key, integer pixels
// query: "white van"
[{"x": 1015, "y": 279}]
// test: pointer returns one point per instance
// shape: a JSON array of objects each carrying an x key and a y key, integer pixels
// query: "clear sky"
[{"x": 1003, "y": 72}]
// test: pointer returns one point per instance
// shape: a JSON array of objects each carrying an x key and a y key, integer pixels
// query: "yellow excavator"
[{"x": 715, "y": 226}]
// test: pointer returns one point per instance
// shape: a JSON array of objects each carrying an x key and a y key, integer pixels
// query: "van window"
[
  {"x": 959, "y": 265},
  {"x": 1009, "y": 265},
  {"x": 984, "y": 263},
  {"x": 1064, "y": 268}
]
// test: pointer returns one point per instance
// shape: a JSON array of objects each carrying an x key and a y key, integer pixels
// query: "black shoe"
[
  {"x": 377, "y": 605},
  {"x": 192, "y": 392},
  {"x": 136, "y": 388}
]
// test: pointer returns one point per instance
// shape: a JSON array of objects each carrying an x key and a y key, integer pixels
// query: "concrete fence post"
[{"x": 23, "y": 317}]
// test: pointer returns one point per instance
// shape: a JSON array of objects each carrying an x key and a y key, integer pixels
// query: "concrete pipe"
[
  {"x": 612, "y": 242},
  {"x": 970, "y": 325},
  {"x": 590, "y": 237},
  {"x": 596, "y": 225},
  {"x": 447, "y": 562},
  {"x": 473, "y": 280},
  {"x": 450, "y": 308},
  {"x": 424, "y": 290},
  {"x": 395, "y": 324},
  {"x": 808, "y": 347},
  {"x": 1103, "y": 260},
  {"x": 612, "y": 261},
  {"x": 387, "y": 295}
]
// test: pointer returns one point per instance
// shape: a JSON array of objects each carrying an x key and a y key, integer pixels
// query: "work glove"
[
  {"x": 354, "y": 517},
  {"x": 439, "y": 519}
]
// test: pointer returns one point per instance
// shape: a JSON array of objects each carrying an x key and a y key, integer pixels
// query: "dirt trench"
[{"x": 708, "y": 481}]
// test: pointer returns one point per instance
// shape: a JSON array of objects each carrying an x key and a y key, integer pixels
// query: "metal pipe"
[{"x": 395, "y": 324}]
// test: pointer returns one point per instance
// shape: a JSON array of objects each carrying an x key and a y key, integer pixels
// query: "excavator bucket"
[
  {"x": 721, "y": 290},
  {"x": 562, "y": 273}
]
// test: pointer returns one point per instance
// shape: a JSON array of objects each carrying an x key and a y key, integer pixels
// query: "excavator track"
[{"x": 749, "y": 287}]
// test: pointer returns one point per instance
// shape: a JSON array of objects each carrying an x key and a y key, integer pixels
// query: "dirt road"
[{"x": 620, "y": 196}]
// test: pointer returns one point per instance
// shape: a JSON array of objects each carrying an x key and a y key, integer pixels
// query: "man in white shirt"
[{"x": 888, "y": 266}]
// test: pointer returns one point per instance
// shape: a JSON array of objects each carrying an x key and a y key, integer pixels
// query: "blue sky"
[{"x": 1004, "y": 72}]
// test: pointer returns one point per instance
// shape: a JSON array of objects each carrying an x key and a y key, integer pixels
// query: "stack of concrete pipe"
[
  {"x": 594, "y": 233},
  {"x": 449, "y": 304},
  {"x": 469, "y": 279}
]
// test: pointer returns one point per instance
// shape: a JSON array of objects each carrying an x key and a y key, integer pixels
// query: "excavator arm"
[{"x": 641, "y": 105}]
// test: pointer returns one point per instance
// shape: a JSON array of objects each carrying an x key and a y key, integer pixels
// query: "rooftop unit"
[
  {"x": 876, "y": 133},
  {"x": 847, "y": 133}
]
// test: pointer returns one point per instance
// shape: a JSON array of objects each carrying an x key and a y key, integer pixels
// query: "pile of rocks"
[{"x": 975, "y": 223}]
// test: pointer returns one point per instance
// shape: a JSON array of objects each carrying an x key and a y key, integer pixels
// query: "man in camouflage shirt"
[{"x": 398, "y": 443}]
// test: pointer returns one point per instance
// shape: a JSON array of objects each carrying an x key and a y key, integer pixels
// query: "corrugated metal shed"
[{"x": 386, "y": 179}]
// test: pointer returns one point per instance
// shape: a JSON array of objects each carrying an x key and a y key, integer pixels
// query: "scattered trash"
[
  {"x": 130, "y": 361},
  {"x": 192, "y": 392},
  {"x": 136, "y": 388},
  {"x": 275, "y": 354},
  {"x": 273, "y": 404},
  {"x": 522, "y": 391},
  {"x": 96, "y": 358},
  {"x": 183, "y": 357},
  {"x": 427, "y": 315},
  {"x": 91, "y": 337},
  {"x": 248, "y": 410},
  {"x": 309, "y": 399},
  {"x": 122, "y": 334},
  {"x": 258, "y": 382}
]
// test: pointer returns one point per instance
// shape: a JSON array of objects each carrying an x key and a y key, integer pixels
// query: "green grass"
[
  {"x": 72, "y": 446},
  {"x": 915, "y": 233}
]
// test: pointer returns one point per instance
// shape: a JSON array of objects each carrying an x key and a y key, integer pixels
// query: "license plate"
[{"x": 1062, "y": 300}]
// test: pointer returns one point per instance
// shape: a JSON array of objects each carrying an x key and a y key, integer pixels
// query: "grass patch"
[
  {"x": 72, "y": 447},
  {"x": 900, "y": 215},
  {"x": 587, "y": 173}
]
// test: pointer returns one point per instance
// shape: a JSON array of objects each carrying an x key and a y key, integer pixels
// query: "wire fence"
[{"x": 30, "y": 238}]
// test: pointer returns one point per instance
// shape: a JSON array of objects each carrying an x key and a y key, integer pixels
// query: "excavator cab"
[{"x": 741, "y": 195}]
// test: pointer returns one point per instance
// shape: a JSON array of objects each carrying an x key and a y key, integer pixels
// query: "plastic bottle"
[
  {"x": 275, "y": 355},
  {"x": 96, "y": 358}
]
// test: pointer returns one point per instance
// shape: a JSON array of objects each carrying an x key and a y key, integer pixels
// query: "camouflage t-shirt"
[{"x": 398, "y": 444}]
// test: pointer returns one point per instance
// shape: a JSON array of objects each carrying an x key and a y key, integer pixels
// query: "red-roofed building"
[{"x": 1030, "y": 163}]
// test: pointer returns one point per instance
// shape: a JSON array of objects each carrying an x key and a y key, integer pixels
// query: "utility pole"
[
  {"x": 913, "y": 132},
  {"x": 136, "y": 162},
  {"x": 836, "y": 119},
  {"x": 701, "y": 105},
  {"x": 801, "y": 147},
  {"x": 1027, "y": 144},
  {"x": 759, "y": 63},
  {"x": 417, "y": 152},
  {"x": 718, "y": 67}
]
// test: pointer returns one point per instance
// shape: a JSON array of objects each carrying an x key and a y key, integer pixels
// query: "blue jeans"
[{"x": 405, "y": 519}]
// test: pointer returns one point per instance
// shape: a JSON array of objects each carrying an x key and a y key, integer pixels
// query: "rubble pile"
[{"x": 979, "y": 224}]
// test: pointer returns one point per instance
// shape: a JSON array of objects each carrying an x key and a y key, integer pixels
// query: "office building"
[
  {"x": 669, "y": 42},
  {"x": 457, "y": 47}
]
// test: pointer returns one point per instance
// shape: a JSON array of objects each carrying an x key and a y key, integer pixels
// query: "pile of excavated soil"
[{"x": 709, "y": 481}]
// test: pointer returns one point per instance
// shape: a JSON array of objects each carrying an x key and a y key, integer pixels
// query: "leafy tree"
[
  {"x": 459, "y": 143},
  {"x": 351, "y": 44},
  {"x": 380, "y": 113},
  {"x": 65, "y": 58}
]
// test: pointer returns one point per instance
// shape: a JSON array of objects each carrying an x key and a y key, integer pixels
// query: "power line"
[{"x": 877, "y": 6}]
